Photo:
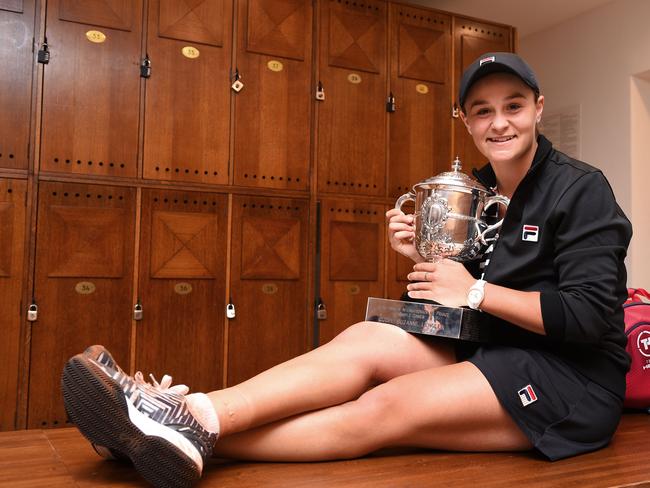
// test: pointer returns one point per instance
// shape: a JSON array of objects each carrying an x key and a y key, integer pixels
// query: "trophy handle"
[
  {"x": 407, "y": 197},
  {"x": 505, "y": 201}
]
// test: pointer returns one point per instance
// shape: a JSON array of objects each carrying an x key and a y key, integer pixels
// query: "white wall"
[
  {"x": 640, "y": 176},
  {"x": 596, "y": 60}
]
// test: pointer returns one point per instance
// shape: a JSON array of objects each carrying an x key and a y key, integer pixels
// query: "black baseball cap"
[{"x": 489, "y": 63}]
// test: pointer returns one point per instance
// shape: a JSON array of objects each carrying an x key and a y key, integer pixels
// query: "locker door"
[
  {"x": 182, "y": 287},
  {"x": 352, "y": 262},
  {"x": 187, "y": 118},
  {"x": 83, "y": 285},
  {"x": 352, "y": 118},
  {"x": 420, "y": 128},
  {"x": 471, "y": 39},
  {"x": 91, "y": 90},
  {"x": 16, "y": 59},
  {"x": 12, "y": 251},
  {"x": 269, "y": 284},
  {"x": 272, "y": 111}
]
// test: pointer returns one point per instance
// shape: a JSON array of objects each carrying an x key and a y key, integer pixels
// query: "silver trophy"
[
  {"x": 449, "y": 223},
  {"x": 448, "y": 215}
]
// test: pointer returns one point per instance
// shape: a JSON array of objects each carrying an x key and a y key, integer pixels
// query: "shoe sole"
[{"x": 96, "y": 405}]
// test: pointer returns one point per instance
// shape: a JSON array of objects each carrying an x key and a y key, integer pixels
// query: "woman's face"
[{"x": 501, "y": 114}]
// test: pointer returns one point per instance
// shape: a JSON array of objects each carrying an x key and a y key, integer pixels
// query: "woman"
[{"x": 553, "y": 380}]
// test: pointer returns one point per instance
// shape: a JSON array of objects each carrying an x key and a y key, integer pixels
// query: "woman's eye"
[
  {"x": 482, "y": 111},
  {"x": 514, "y": 106}
]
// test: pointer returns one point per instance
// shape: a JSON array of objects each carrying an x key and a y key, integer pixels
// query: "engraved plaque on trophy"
[{"x": 429, "y": 319}]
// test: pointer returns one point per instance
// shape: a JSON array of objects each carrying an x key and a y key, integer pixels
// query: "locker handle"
[
  {"x": 145, "y": 67},
  {"x": 237, "y": 84},
  {"x": 32, "y": 312},
  {"x": 230, "y": 310},
  {"x": 321, "y": 310},
  {"x": 44, "y": 52},
  {"x": 390, "y": 103},
  {"x": 455, "y": 111},
  {"x": 320, "y": 92},
  {"x": 138, "y": 312}
]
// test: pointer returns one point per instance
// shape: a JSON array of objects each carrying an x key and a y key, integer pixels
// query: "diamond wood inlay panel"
[
  {"x": 277, "y": 28},
  {"x": 349, "y": 260},
  {"x": 91, "y": 242},
  {"x": 270, "y": 251},
  {"x": 181, "y": 245},
  {"x": 12, "y": 5},
  {"x": 114, "y": 14},
  {"x": 192, "y": 21},
  {"x": 423, "y": 53},
  {"x": 356, "y": 39}
]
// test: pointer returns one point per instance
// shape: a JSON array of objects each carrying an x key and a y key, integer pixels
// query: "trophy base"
[{"x": 429, "y": 319}]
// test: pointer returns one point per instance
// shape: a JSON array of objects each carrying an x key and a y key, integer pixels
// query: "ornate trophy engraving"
[
  {"x": 448, "y": 210},
  {"x": 448, "y": 224}
]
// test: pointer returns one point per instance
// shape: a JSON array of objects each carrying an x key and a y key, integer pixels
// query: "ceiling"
[{"x": 528, "y": 16}]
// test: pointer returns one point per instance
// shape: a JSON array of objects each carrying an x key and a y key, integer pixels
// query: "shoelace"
[{"x": 165, "y": 386}]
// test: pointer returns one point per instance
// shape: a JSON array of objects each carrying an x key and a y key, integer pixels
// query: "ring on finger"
[{"x": 426, "y": 276}]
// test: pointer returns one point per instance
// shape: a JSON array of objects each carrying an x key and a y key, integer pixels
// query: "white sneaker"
[{"x": 150, "y": 424}]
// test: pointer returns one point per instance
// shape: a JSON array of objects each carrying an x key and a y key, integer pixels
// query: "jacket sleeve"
[{"x": 591, "y": 239}]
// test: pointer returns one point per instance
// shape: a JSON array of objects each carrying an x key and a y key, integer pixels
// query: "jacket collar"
[{"x": 486, "y": 174}]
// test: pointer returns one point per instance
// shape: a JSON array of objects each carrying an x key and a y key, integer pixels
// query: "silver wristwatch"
[{"x": 476, "y": 294}]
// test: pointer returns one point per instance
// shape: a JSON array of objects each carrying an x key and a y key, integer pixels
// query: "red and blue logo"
[
  {"x": 530, "y": 233},
  {"x": 527, "y": 395},
  {"x": 488, "y": 59}
]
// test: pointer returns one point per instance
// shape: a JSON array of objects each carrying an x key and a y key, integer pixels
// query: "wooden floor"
[{"x": 63, "y": 458}]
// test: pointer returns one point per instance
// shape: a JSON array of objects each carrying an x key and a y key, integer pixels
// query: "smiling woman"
[
  {"x": 553, "y": 380},
  {"x": 553, "y": 284}
]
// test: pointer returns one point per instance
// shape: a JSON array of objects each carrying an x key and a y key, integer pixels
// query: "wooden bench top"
[{"x": 63, "y": 458}]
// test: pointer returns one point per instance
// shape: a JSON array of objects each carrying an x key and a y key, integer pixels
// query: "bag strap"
[{"x": 638, "y": 295}]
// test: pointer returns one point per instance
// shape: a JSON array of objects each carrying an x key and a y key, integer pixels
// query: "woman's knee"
[
  {"x": 367, "y": 334},
  {"x": 389, "y": 351},
  {"x": 367, "y": 424}
]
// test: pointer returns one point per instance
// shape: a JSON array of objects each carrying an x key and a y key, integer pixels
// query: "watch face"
[{"x": 474, "y": 297}]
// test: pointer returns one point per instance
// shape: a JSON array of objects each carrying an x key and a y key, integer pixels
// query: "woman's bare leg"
[
  {"x": 450, "y": 407},
  {"x": 362, "y": 356}
]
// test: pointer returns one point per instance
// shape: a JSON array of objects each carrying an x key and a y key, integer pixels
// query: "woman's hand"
[
  {"x": 401, "y": 234},
  {"x": 446, "y": 282}
]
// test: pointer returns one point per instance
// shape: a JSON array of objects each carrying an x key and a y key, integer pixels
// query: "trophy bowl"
[{"x": 449, "y": 211}]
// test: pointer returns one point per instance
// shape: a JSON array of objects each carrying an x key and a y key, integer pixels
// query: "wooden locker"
[
  {"x": 12, "y": 273},
  {"x": 420, "y": 82},
  {"x": 17, "y": 60},
  {"x": 471, "y": 39},
  {"x": 91, "y": 87},
  {"x": 269, "y": 279},
  {"x": 83, "y": 285},
  {"x": 187, "y": 117},
  {"x": 352, "y": 117},
  {"x": 182, "y": 287},
  {"x": 398, "y": 269},
  {"x": 353, "y": 240},
  {"x": 273, "y": 110}
]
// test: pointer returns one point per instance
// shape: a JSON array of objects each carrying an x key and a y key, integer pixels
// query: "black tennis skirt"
[{"x": 562, "y": 412}]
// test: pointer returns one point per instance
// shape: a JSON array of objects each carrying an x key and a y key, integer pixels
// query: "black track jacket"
[{"x": 565, "y": 236}]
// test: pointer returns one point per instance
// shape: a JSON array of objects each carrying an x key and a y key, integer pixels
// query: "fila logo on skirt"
[{"x": 527, "y": 395}]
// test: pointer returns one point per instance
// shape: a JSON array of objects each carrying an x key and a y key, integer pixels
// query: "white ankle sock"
[{"x": 201, "y": 408}]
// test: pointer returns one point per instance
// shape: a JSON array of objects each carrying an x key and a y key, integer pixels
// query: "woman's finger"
[
  {"x": 406, "y": 235},
  {"x": 420, "y": 276},
  {"x": 430, "y": 267}
]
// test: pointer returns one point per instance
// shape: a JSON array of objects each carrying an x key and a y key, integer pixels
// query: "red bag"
[{"x": 637, "y": 329}]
